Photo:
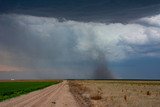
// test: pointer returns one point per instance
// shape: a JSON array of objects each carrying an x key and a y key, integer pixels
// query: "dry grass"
[
  {"x": 125, "y": 97},
  {"x": 96, "y": 97},
  {"x": 148, "y": 93},
  {"x": 118, "y": 93}
]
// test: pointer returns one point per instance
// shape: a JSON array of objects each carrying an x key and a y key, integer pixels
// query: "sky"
[{"x": 80, "y": 39}]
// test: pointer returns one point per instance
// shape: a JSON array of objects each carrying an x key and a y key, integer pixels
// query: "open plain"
[
  {"x": 116, "y": 93},
  {"x": 91, "y": 93}
]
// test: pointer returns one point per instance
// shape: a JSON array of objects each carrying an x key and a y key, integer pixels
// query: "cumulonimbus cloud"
[{"x": 47, "y": 39}]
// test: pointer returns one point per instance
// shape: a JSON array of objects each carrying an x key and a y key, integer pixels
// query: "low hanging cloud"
[
  {"x": 46, "y": 42},
  {"x": 152, "y": 20}
]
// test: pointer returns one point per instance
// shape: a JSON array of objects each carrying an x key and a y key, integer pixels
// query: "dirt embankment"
[
  {"x": 80, "y": 93},
  {"x": 86, "y": 96}
]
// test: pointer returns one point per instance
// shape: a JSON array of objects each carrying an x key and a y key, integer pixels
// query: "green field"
[{"x": 13, "y": 89}]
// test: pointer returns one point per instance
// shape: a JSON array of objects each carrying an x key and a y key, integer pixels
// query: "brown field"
[{"x": 107, "y": 93}]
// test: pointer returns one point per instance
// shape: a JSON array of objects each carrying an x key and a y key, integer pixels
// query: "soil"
[{"x": 108, "y": 93}]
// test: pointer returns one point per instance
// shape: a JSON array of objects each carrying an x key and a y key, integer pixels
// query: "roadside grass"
[{"x": 13, "y": 89}]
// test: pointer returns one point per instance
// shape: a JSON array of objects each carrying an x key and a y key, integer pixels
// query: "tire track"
[{"x": 42, "y": 99}]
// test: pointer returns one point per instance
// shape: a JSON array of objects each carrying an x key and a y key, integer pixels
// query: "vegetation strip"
[{"x": 13, "y": 89}]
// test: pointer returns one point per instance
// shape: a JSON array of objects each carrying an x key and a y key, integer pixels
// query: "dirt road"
[{"x": 53, "y": 96}]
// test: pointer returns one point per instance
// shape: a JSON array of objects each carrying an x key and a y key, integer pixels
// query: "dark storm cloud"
[
  {"x": 84, "y": 10},
  {"x": 49, "y": 40},
  {"x": 67, "y": 39},
  {"x": 36, "y": 42}
]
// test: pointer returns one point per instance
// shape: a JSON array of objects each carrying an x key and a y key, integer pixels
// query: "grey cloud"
[{"x": 42, "y": 42}]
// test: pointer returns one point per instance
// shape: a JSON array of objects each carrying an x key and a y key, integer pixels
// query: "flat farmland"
[
  {"x": 9, "y": 89},
  {"x": 86, "y": 93},
  {"x": 110, "y": 93}
]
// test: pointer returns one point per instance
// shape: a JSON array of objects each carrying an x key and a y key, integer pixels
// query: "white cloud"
[
  {"x": 116, "y": 40},
  {"x": 153, "y": 20}
]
